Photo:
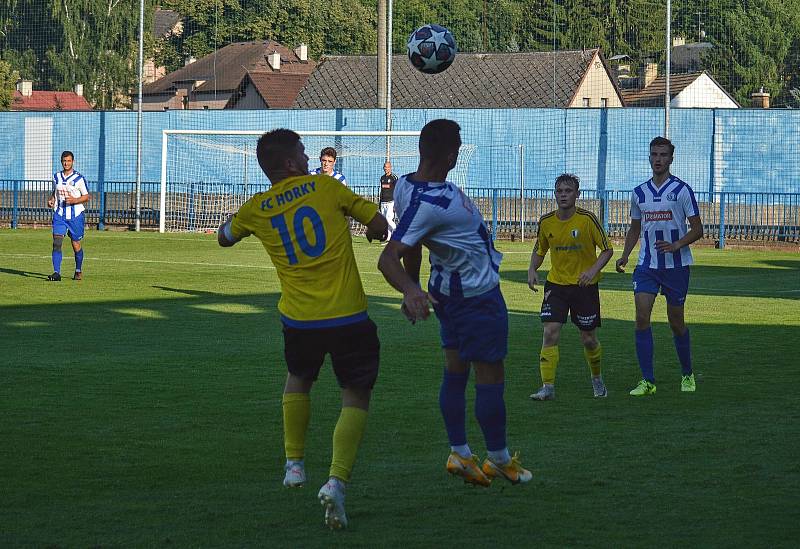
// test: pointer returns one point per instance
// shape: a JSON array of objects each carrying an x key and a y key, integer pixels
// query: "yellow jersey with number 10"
[{"x": 302, "y": 224}]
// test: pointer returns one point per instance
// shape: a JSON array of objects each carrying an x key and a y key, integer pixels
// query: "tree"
[{"x": 8, "y": 81}]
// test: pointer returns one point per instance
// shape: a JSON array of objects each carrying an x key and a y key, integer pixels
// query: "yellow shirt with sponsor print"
[
  {"x": 301, "y": 222},
  {"x": 572, "y": 244}
]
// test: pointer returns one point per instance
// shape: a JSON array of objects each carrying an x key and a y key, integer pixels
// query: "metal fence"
[{"x": 511, "y": 214}]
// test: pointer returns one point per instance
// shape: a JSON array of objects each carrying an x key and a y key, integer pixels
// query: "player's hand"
[
  {"x": 620, "y": 265},
  {"x": 665, "y": 247},
  {"x": 417, "y": 304},
  {"x": 51, "y": 202},
  {"x": 586, "y": 277},
  {"x": 533, "y": 279},
  {"x": 376, "y": 236},
  {"x": 70, "y": 200},
  {"x": 407, "y": 314}
]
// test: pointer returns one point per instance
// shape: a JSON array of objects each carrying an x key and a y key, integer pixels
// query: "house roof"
[
  {"x": 50, "y": 101},
  {"x": 277, "y": 90},
  {"x": 164, "y": 21},
  {"x": 474, "y": 80},
  {"x": 653, "y": 95},
  {"x": 689, "y": 57},
  {"x": 225, "y": 69}
]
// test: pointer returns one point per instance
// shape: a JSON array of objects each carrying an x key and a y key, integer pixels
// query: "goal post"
[{"x": 208, "y": 174}]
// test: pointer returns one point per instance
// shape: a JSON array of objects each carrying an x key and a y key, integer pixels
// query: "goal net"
[{"x": 207, "y": 175}]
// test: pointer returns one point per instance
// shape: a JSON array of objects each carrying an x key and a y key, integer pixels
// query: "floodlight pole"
[
  {"x": 389, "y": 79},
  {"x": 667, "y": 64},
  {"x": 138, "y": 221}
]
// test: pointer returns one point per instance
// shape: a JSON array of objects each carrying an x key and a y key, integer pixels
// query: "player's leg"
[
  {"x": 76, "y": 229},
  {"x": 554, "y": 311},
  {"x": 676, "y": 287},
  {"x": 355, "y": 355},
  {"x": 304, "y": 351},
  {"x": 646, "y": 286},
  {"x": 59, "y": 230},
  {"x": 585, "y": 310}
]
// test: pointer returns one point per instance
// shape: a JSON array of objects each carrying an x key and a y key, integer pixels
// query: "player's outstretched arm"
[
  {"x": 377, "y": 228},
  {"x": 225, "y": 237}
]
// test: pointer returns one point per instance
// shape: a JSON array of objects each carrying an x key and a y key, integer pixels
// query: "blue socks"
[
  {"x": 453, "y": 404},
  {"x": 79, "y": 260},
  {"x": 684, "y": 349},
  {"x": 490, "y": 410},
  {"x": 57, "y": 256},
  {"x": 644, "y": 352}
]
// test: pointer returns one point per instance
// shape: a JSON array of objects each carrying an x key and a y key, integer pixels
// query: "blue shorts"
[
  {"x": 476, "y": 326},
  {"x": 673, "y": 283},
  {"x": 74, "y": 226}
]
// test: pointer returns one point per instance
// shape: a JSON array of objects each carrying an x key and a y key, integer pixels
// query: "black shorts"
[
  {"x": 581, "y": 302},
  {"x": 354, "y": 350}
]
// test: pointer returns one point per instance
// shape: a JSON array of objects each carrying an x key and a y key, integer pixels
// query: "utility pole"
[{"x": 382, "y": 54}]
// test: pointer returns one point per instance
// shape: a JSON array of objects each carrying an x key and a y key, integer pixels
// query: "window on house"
[
  {"x": 604, "y": 102},
  {"x": 586, "y": 102},
  {"x": 185, "y": 102}
]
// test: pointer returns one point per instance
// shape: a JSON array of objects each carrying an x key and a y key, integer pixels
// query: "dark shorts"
[
  {"x": 73, "y": 227},
  {"x": 476, "y": 326},
  {"x": 582, "y": 303},
  {"x": 354, "y": 350},
  {"x": 673, "y": 283}
]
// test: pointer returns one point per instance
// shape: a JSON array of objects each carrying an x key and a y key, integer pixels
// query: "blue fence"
[{"x": 510, "y": 213}]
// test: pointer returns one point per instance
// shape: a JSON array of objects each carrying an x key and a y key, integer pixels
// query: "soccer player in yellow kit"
[
  {"x": 302, "y": 223},
  {"x": 572, "y": 235}
]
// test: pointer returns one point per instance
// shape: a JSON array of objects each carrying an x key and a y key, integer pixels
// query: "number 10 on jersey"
[{"x": 298, "y": 225}]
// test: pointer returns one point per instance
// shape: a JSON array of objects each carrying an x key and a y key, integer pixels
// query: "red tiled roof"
[
  {"x": 278, "y": 91},
  {"x": 50, "y": 101}
]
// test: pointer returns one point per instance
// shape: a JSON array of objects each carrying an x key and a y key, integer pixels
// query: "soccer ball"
[{"x": 431, "y": 49}]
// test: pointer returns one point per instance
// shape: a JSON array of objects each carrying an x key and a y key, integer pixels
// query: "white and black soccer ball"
[{"x": 431, "y": 49}]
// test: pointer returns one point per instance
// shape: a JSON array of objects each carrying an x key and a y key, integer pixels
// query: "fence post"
[
  {"x": 603, "y": 195},
  {"x": 15, "y": 208},
  {"x": 494, "y": 214},
  {"x": 721, "y": 220},
  {"x": 101, "y": 190},
  {"x": 522, "y": 189}
]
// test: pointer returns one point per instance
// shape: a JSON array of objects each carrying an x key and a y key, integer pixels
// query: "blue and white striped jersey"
[
  {"x": 64, "y": 186},
  {"x": 463, "y": 260},
  {"x": 336, "y": 175},
  {"x": 663, "y": 212}
]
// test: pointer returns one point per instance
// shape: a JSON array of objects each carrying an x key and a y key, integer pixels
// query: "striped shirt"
[
  {"x": 663, "y": 212},
  {"x": 63, "y": 186},
  {"x": 463, "y": 260},
  {"x": 336, "y": 175}
]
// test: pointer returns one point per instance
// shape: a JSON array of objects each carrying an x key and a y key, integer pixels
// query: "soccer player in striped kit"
[
  {"x": 327, "y": 163},
  {"x": 67, "y": 200},
  {"x": 464, "y": 288},
  {"x": 660, "y": 210}
]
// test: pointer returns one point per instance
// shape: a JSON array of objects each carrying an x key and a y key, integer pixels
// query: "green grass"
[{"x": 141, "y": 408}]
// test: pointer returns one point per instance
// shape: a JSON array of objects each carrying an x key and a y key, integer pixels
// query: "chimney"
[
  {"x": 274, "y": 60},
  {"x": 189, "y": 60},
  {"x": 647, "y": 74},
  {"x": 302, "y": 52},
  {"x": 25, "y": 87},
  {"x": 79, "y": 89},
  {"x": 678, "y": 41},
  {"x": 760, "y": 99}
]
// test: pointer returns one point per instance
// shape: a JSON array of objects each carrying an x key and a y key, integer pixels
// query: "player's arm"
[
  {"x": 225, "y": 236},
  {"x": 589, "y": 274},
  {"x": 405, "y": 279},
  {"x": 84, "y": 197},
  {"x": 694, "y": 233},
  {"x": 631, "y": 238},
  {"x": 52, "y": 199},
  {"x": 377, "y": 228},
  {"x": 536, "y": 262}
]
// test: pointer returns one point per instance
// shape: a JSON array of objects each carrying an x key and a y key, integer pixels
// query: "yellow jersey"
[
  {"x": 572, "y": 244},
  {"x": 301, "y": 222}
]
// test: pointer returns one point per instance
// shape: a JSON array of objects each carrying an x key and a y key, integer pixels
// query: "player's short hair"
[
  {"x": 273, "y": 148},
  {"x": 663, "y": 142},
  {"x": 328, "y": 151},
  {"x": 439, "y": 137},
  {"x": 66, "y": 154},
  {"x": 568, "y": 178}
]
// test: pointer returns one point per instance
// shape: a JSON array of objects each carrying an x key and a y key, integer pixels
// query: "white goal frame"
[{"x": 311, "y": 133}]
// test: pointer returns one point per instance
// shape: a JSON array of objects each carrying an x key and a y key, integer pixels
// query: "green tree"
[{"x": 8, "y": 81}]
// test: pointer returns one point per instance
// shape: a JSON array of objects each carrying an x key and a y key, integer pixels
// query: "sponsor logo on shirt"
[
  {"x": 671, "y": 197},
  {"x": 661, "y": 215},
  {"x": 575, "y": 233}
]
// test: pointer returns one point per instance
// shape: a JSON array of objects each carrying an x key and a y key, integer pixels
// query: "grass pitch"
[{"x": 141, "y": 408}]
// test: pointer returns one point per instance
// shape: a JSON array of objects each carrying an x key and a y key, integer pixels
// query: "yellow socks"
[
  {"x": 593, "y": 357},
  {"x": 296, "y": 413},
  {"x": 346, "y": 440},
  {"x": 548, "y": 362}
]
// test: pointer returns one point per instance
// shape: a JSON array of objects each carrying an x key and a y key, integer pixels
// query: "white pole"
[
  {"x": 138, "y": 221},
  {"x": 389, "y": 80},
  {"x": 667, "y": 69},
  {"x": 522, "y": 188},
  {"x": 163, "y": 198}
]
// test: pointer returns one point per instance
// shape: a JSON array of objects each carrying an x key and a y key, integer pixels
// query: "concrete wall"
[{"x": 739, "y": 150}]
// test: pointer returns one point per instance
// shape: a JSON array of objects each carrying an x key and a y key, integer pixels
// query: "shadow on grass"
[
  {"x": 28, "y": 274},
  {"x": 710, "y": 280}
]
